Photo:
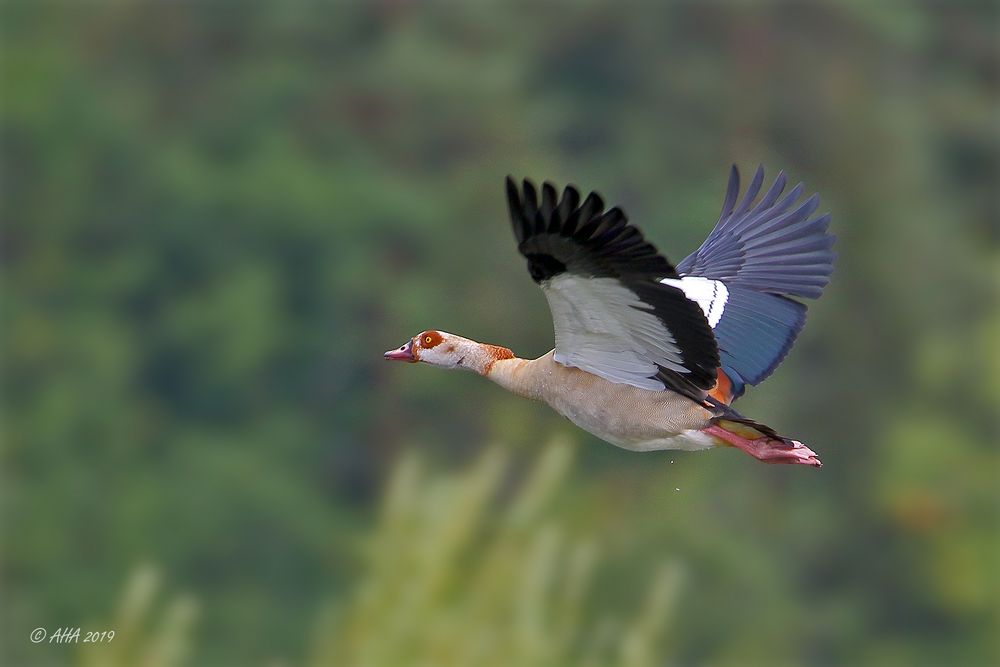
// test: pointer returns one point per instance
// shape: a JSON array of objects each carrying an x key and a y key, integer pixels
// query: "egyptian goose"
[{"x": 649, "y": 356}]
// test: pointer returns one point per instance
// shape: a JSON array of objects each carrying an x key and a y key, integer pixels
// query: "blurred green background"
[{"x": 218, "y": 215}]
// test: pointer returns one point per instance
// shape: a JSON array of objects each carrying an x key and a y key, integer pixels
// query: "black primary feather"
[{"x": 589, "y": 242}]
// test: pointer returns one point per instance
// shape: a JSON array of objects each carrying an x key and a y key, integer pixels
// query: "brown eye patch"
[{"x": 429, "y": 339}]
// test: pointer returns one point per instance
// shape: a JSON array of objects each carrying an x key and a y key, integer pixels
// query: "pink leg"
[{"x": 767, "y": 449}]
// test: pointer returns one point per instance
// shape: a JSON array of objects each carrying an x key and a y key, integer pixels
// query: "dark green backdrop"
[{"x": 217, "y": 216}]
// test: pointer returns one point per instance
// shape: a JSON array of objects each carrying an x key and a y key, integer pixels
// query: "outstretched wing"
[
  {"x": 760, "y": 254},
  {"x": 768, "y": 246},
  {"x": 612, "y": 315}
]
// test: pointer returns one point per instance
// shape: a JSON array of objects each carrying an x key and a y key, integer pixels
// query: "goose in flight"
[{"x": 650, "y": 356}]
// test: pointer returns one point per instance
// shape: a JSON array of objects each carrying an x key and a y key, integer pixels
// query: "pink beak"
[{"x": 404, "y": 353}]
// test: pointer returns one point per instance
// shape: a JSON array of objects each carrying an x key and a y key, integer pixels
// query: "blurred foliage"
[
  {"x": 217, "y": 215},
  {"x": 138, "y": 640},
  {"x": 432, "y": 597}
]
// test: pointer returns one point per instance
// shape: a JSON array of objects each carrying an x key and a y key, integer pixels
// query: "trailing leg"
[{"x": 761, "y": 442}]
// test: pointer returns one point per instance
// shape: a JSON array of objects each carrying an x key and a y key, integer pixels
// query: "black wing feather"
[{"x": 589, "y": 242}]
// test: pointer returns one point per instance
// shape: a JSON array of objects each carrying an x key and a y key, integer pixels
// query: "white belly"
[
  {"x": 657, "y": 420},
  {"x": 690, "y": 440},
  {"x": 624, "y": 415}
]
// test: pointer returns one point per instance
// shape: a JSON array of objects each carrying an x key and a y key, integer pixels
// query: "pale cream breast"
[{"x": 623, "y": 415}]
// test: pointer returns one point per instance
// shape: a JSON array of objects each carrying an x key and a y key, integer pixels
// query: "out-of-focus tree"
[{"x": 216, "y": 216}]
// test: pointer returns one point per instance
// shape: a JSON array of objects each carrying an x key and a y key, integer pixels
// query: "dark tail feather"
[
  {"x": 733, "y": 421},
  {"x": 731, "y": 428}
]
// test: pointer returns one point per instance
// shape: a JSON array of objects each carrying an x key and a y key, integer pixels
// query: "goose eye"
[{"x": 428, "y": 340}]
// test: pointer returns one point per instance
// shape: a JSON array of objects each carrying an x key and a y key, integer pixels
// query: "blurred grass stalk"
[
  {"x": 455, "y": 576},
  {"x": 142, "y": 637},
  {"x": 456, "y": 579}
]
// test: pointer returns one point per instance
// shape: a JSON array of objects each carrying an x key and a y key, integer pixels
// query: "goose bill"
[{"x": 403, "y": 353}]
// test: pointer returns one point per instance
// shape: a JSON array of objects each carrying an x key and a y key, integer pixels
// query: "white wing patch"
[
  {"x": 603, "y": 328},
  {"x": 711, "y": 295}
]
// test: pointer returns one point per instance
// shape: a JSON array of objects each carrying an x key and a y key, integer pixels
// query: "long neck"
[
  {"x": 498, "y": 364},
  {"x": 480, "y": 357},
  {"x": 491, "y": 361},
  {"x": 514, "y": 375}
]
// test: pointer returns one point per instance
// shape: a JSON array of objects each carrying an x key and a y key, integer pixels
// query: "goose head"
[
  {"x": 440, "y": 348},
  {"x": 437, "y": 348}
]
